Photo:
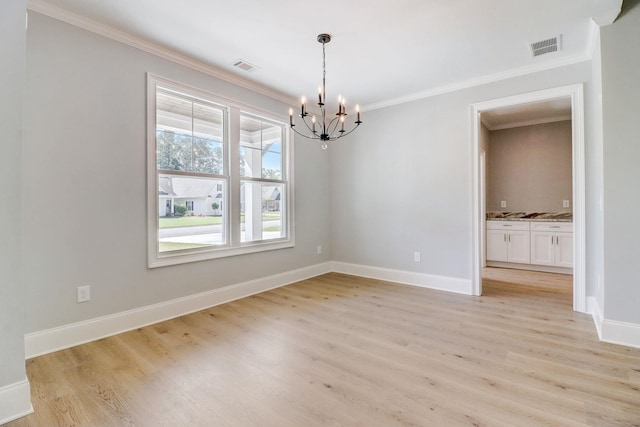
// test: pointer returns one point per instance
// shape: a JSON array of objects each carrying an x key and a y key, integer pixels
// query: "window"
[
  {"x": 219, "y": 179},
  {"x": 261, "y": 187}
]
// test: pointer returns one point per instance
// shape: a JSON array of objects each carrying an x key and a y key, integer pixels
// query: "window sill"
[{"x": 183, "y": 257}]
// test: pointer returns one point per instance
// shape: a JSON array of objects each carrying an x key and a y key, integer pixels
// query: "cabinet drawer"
[
  {"x": 566, "y": 227},
  {"x": 507, "y": 225}
]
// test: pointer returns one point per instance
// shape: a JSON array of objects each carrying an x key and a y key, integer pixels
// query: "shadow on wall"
[{"x": 627, "y": 5}]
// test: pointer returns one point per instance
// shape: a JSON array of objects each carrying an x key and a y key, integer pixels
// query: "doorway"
[{"x": 575, "y": 94}]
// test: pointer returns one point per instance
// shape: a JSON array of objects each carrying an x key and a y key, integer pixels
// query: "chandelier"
[{"x": 326, "y": 127}]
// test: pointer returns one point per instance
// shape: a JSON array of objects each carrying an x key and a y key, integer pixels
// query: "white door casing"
[{"x": 575, "y": 93}]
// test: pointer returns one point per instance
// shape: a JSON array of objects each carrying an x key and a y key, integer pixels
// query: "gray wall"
[
  {"x": 84, "y": 189},
  {"x": 12, "y": 299},
  {"x": 594, "y": 182},
  {"x": 402, "y": 182},
  {"x": 530, "y": 168},
  {"x": 621, "y": 107}
]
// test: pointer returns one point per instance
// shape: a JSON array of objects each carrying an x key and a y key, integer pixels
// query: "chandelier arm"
[
  {"x": 330, "y": 138},
  {"x": 334, "y": 122},
  {"x": 348, "y": 132},
  {"x": 302, "y": 134},
  {"x": 308, "y": 127}
]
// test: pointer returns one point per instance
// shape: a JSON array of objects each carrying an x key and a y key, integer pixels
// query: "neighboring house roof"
[
  {"x": 165, "y": 187},
  {"x": 184, "y": 187},
  {"x": 270, "y": 192}
]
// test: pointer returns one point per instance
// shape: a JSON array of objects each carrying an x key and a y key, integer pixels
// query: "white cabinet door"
[
  {"x": 552, "y": 248},
  {"x": 518, "y": 247},
  {"x": 542, "y": 248},
  {"x": 564, "y": 250},
  {"x": 496, "y": 245}
]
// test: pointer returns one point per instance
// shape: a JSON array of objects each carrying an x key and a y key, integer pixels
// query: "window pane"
[
  {"x": 207, "y": 156},
  {"x": 250, "y": 147},
  {"x": 189, "y": 135},
  {"x": 260, "y": 210},
  {"x": 271, "y": 165},
  {"x": 191, "y": 212},
  {"x": 173, "y": 150},
  {"x": 271, "y": 151},
  {"x": 260, "y": 148},
  {"x": 174, "y": 113},
  {"x": 207, "y": 121}
]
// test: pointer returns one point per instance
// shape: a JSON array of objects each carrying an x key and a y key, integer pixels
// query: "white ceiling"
[
  {"x": 382, "y": 52},
  {"x": 528, "y": 114}
]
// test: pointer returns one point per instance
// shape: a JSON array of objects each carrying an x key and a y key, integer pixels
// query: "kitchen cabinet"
[
  {"x": 508, "y": 241},
  {"x": 552, "y": 244}
]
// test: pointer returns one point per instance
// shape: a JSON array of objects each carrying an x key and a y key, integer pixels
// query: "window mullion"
[{"x": 234, "y": 175}]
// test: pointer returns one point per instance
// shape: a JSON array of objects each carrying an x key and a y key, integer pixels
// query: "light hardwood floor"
[{"x": 341, "y": 350}]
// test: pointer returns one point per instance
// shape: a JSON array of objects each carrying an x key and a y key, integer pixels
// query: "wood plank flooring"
[{"x": 340, "y": 350}]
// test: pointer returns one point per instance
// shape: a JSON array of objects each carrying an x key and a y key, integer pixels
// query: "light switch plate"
[
  {"x": 565, "y": 203},
  {"x": 503, "y": 204}
]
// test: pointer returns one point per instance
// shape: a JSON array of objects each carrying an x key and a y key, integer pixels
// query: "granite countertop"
[{"x": 531, "y": 216}]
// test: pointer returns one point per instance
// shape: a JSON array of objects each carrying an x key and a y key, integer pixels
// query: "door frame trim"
[{"x": 575, "y": 93}]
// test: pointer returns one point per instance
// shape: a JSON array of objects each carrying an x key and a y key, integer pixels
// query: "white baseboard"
[
  {"x": 15, "y": 401},
  {"x": 50, "y": 340},
  {"x": 613, "y": 331},
  {"x": 442, "y": 283},
  {"x": 621, "y": 333},
  {"x": 595, "y": 310}
]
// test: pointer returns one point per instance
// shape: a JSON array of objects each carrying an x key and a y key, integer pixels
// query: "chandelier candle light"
[{"x": 322, "y": 130}]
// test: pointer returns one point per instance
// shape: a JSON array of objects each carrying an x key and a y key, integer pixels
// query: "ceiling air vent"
[
  {"x": 244, "y": 65},
  {"x": 545, "y": 46}
]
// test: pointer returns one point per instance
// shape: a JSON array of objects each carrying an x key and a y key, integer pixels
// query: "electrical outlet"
[
  {"x": 503, "y": 204},
  {"x": 318, "y": 249},
  {"x": 417, "y": 257},
  {"x": 565, "y": 203},
  {"x": 84, "y": 293}
]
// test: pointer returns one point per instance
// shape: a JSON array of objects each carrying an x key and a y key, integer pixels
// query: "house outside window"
[{"x": 201, "y": 203}]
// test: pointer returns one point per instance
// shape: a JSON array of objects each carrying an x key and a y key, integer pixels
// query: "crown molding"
[
  {"x": 491, "y": 78},
  {"x": 87, "y": 24}
]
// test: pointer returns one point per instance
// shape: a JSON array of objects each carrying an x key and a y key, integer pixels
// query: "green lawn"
[
  {"x": 276, "y": 228},
  {"x": 265, "y": 216},
  {"x": 192, "y": 221},
  {"x": 189, "y": 221},
  {"x": 270, "y": 216},
  {"x": 174, "y": 246}
]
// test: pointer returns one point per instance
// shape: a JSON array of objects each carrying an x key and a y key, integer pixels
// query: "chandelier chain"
[{"x": 324, "y": 72}]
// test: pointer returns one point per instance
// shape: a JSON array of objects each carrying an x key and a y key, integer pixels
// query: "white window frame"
[{"x": 231, "y": 208}]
